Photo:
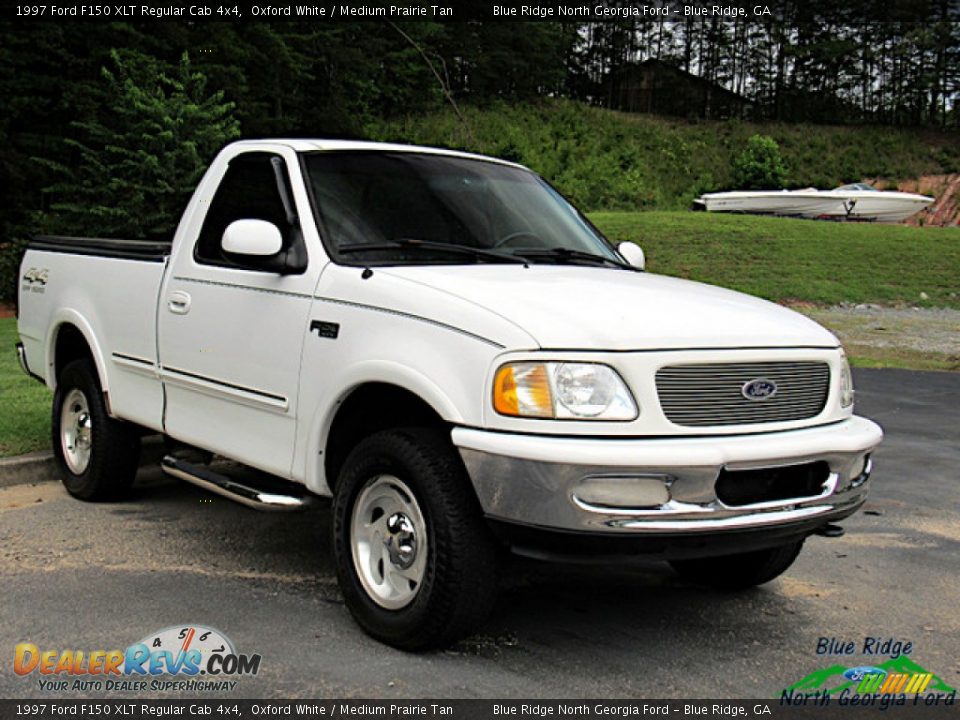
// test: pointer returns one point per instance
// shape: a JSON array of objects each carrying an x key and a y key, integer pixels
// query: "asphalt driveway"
[{"x": 74, "y": 575}]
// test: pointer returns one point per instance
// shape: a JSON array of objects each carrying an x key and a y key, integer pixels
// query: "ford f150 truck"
[{"x": 449, "y": 349}]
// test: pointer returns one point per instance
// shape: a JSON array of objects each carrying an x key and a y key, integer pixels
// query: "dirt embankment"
[{"x": 945, "y": 211}]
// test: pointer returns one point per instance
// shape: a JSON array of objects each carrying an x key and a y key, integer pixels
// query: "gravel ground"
[{"x": 932, "y": 332}]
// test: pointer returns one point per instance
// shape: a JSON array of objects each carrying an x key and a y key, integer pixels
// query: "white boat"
[
  {"x": 858, "y": 201},
  {"x": 796, "y": 203},
  {"x": 864, "y": 202}
]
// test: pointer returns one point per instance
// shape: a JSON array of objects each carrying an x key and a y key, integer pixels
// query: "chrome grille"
[{"x": 711, "y": 393}]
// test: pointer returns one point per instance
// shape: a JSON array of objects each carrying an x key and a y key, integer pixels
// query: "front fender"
[{"x": 342, "y": 385}]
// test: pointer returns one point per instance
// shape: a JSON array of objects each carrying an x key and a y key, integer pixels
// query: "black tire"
[
  {"x": 740, "y": 571},
  {"x": 114, "y": 446},
  {"x": 459, "y": 582}
]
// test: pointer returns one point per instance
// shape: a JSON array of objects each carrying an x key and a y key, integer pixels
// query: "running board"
[{"x": 222, "y": 485}]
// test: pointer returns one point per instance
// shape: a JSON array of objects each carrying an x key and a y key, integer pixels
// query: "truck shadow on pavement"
[{"x": 541, "y": 603}]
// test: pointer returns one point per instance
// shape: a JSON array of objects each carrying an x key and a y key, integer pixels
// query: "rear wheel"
[
  {"x": 740, "y": 571},
  {"x": 415, "y": 560},
  {"x": 97, "y": 455}
]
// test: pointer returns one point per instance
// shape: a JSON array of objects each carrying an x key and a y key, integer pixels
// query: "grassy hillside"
[
  {"x": 606, "y": 160},
  {"x": 798, "y": 260}
]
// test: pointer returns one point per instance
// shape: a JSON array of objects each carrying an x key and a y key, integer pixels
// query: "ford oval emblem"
[
  {"x": 857, "y": 673},
  {"x": 759, "y": 389}
]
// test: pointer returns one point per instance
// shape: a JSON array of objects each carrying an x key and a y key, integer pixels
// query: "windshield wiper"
[
  {"x": 414, "y": 243},
  {"x": 562, "y": 253}
]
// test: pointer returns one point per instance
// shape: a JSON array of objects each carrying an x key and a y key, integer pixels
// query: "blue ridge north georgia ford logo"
[{"x": 759, "y": 389}]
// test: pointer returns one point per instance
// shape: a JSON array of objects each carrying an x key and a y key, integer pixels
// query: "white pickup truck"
[{"x": 449, "y": 349}]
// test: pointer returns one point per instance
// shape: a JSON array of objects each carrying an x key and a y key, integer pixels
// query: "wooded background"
[{"x": 105, "y": 127}]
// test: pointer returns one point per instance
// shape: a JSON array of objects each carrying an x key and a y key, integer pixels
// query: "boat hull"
[
  {"x": 883, "y": 207},
  {"x": 784, "y": 203},
  {"x": 886, "y": 207}
]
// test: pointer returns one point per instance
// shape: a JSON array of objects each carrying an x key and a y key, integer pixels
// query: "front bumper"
[{"x": 663, "y": 486}]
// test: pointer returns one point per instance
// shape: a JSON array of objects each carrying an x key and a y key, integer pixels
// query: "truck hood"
[{"x": 574, "y": 307}]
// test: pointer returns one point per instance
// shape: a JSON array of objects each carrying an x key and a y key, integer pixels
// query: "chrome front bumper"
[{"x": 662, "y": 485}]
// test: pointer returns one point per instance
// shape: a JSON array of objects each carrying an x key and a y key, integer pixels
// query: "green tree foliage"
[
  {"x": 618, "y": 161},
  {"x": 487, "y": 62},
  {"x": 760, "y": 165},
  {"x": 138, "y": 160},
  {"x": 357, "y": 79}
]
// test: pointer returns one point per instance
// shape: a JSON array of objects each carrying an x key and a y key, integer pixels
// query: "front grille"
[{"x": 712, "y": 393}]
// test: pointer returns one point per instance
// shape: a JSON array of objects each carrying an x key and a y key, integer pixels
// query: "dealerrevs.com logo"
[{"x": 178, "y": 658}]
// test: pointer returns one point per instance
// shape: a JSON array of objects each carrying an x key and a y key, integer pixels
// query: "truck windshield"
[{"x": 393, "y": 208}]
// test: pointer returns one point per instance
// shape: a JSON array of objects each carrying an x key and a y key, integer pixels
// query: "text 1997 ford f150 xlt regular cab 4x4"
[{"x": 454, "y": 353}]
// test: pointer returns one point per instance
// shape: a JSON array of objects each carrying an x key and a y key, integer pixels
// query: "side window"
[{"x": 250, "y": 190}]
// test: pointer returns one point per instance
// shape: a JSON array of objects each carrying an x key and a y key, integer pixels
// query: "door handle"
[{"x": 179, "y": 302}]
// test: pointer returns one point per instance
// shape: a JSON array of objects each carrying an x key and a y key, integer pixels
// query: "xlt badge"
[{"x": 325, "y": 329}]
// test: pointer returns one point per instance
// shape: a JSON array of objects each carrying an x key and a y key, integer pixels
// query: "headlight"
[
  {"x": 562, "y": 391},
  {"x": 846, "y": 383}
]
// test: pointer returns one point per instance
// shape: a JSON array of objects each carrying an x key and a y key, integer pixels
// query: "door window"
[{"x": 256, "y": 186}]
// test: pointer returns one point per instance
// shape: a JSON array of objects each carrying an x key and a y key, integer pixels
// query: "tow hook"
[{"x": 830, "y": 530}]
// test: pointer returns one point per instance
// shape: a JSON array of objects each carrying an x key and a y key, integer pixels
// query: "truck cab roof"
[{"x": 329, "y": 145}]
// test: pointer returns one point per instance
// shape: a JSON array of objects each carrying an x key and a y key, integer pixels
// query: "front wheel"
[
  {"x": 415, "y": 560},
  {"x": 740, "y": 571},
  {"x": 97, "y": 455}
]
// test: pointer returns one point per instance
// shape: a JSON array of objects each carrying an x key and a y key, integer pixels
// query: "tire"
[
  {"x": 415, "y": 560},
  {"x": 97, "y": 456},
  {"x": 740, "y": 571}
]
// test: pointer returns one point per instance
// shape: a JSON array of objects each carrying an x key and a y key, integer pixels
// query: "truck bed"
[
  {"x": 147, "y": 250},
  {"x": 108, "y": 290}
]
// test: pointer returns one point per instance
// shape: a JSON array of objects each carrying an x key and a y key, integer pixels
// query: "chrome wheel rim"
[
  {"x": 76, "y": 431},
  {"x": 388, "y": 541}
]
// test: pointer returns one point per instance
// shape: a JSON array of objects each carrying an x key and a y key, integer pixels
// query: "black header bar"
[{"x": 570, "y": 11}]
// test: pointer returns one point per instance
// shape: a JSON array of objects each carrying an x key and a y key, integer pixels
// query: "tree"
[
  {"x": 759, "y": 166},
  {"x": 140, "y": 157}
]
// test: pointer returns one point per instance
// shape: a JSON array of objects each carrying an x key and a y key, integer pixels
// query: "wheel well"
[
  {"x": 71, "y": 345},
  {"x": 369, "y": 409}
]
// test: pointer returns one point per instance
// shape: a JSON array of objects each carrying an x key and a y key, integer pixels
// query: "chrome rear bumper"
[{"x": 22, "y": 358}]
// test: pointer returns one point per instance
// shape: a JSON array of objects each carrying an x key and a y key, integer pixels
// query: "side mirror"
[
  {"x": 633, "y": 254},
  {"x": 256, "y": 238}
]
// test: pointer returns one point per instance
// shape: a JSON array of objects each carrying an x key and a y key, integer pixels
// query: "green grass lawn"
[
  {"x": 784, "y": 260},
  {"x": 24, "y": 403}
]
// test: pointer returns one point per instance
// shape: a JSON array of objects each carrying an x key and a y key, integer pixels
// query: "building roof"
[{"x": 656, "y": 64}]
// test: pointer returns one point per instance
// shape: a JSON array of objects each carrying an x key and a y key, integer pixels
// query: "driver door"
[{"x": 231, "y": 334}]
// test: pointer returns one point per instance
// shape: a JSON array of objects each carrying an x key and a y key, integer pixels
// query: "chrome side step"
[{"x": 252, "y": 497}]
